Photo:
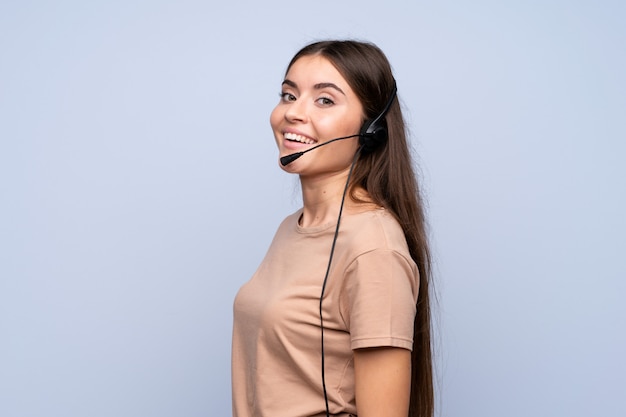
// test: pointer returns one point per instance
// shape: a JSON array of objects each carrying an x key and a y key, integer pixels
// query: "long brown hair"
[{"x": 387, "y": 175}]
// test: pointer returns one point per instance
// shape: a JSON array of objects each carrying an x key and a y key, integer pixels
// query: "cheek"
[
  {"x": 351, "y": 123},
  {"x": 336, "y": 126},
  {"x": 275, "y": 117}
]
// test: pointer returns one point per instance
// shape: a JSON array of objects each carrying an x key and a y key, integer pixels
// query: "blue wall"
[{"x": 139, "y": 189}]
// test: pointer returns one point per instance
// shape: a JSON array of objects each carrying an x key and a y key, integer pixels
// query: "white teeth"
[{"x": 299, "y": 138}]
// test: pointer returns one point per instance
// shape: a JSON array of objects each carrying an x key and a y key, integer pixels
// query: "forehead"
[{"x": 314, "y": 69}]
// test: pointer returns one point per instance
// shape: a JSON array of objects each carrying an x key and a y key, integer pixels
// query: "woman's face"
[{"x": 316, "y": 105}]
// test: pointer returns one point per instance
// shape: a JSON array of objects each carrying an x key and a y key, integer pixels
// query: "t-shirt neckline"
[{"x": 311, "y": 229}]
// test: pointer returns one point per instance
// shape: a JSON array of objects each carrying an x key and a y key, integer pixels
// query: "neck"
[
  {"x": 321, "y": 197},
  {"x": 322, "y": 200}
]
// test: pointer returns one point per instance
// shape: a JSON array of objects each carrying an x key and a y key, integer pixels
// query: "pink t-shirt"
[{"x": 369, "y": 301}]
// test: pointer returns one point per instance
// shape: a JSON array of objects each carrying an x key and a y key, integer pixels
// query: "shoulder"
[
  {"x": 286, "y": 229},
  {"x": 374, "y": 230},
  {"x": 292, "y": 219},
  {"x": 290, "y": 222}
]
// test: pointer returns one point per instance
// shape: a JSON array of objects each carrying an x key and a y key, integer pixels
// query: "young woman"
[{"x": 336, "y": 320}]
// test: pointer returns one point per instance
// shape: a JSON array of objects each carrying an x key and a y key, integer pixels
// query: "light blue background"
[{"x": 139, "y": 189}]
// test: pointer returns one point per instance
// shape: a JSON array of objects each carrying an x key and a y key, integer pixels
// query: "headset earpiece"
[{"x": 374, "y": 132}]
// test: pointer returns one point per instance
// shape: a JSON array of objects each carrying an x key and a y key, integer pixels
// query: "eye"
[
  {"x": 325, "y": 101},
  {"x": 284, "y": 96}
]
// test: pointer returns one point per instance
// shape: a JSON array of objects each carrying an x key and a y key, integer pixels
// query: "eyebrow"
[{"x": 318, "y": 86}]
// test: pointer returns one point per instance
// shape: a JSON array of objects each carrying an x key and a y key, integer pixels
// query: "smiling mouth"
[{"x": 299, "y": 138}]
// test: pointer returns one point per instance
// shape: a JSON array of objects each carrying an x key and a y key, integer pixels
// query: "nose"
[{"x": 296, "y": 111}]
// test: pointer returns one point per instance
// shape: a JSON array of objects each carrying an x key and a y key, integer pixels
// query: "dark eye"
[
  {"x": 325, "y": 101},
  {"x": 287, "y": 97}
]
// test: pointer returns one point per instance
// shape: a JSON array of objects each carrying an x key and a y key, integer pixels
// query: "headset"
[{"x": 373, "y": 134}]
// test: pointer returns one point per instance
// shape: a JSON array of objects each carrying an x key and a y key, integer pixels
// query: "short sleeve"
[{"x": 379, "y": 298}]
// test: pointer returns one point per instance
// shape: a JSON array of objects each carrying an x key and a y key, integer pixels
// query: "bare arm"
[{"x": 383, "y": 381}]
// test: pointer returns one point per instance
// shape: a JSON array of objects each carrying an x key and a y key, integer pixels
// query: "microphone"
[{"x": 286, "y": 160}]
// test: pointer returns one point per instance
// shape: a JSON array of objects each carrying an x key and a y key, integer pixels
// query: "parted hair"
[{"x": 388, "y": 176}]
